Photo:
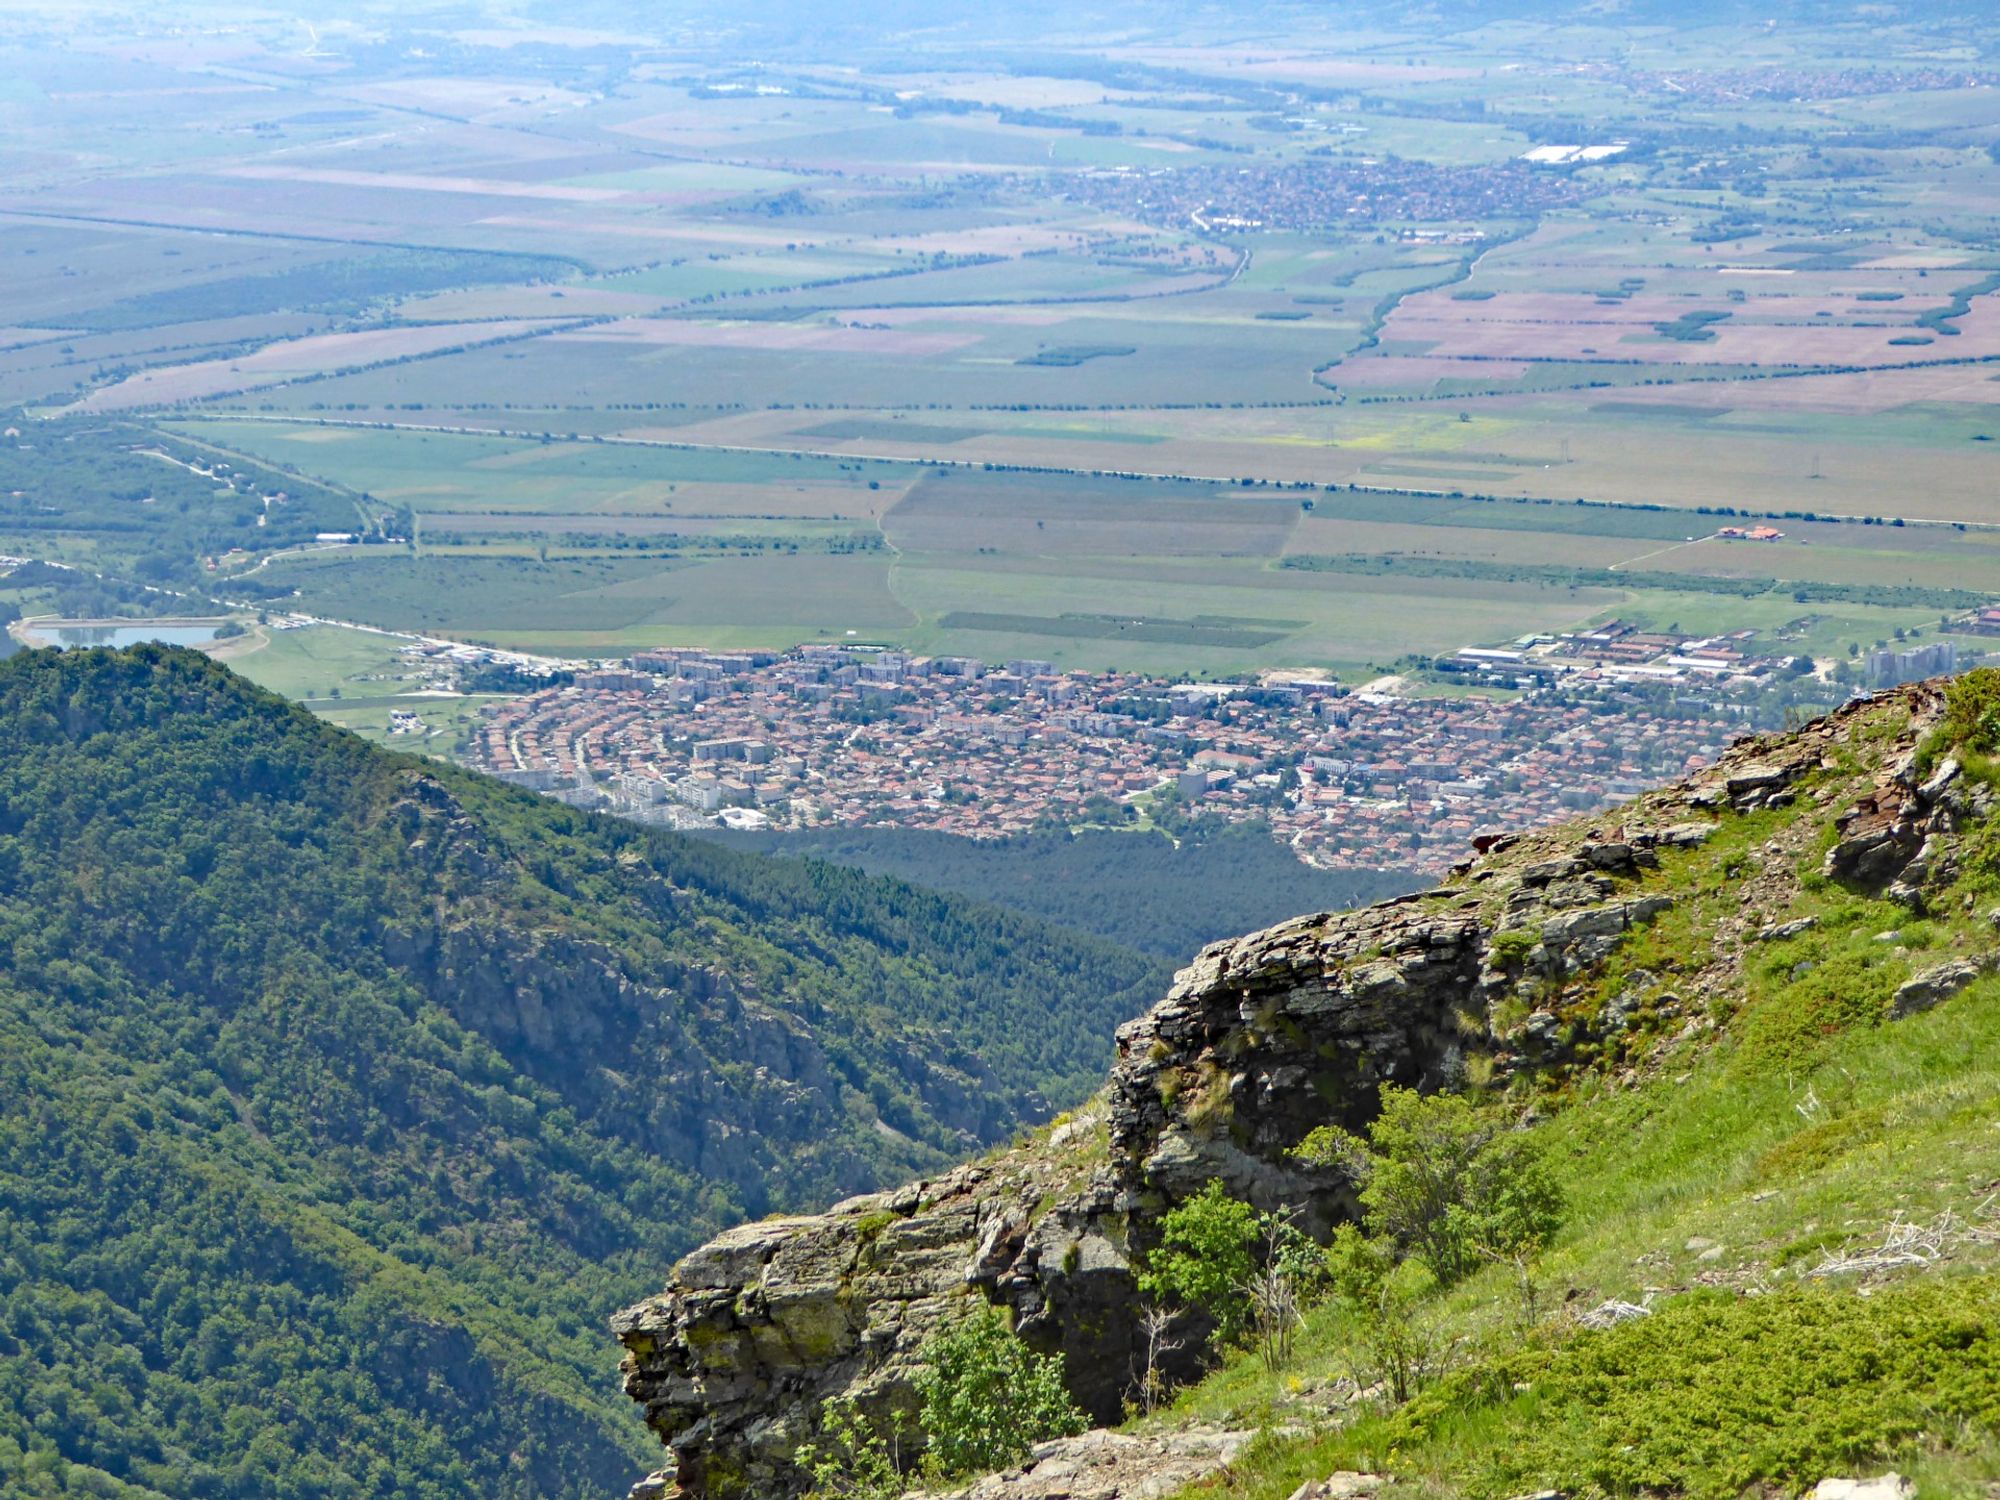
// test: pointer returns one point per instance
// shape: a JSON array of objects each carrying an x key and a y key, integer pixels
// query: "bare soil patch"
[{"x": 276, "y": 363}]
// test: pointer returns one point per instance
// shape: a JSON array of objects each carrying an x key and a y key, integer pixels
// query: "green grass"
[
  {"x": 1115, "y": 628},
  {"x": 312, "y": 661},
  {"x": 602, "y": 603},
  {"x": 470, "y": 594},
  {"x": 1732, "y": 1169},
  {"x": 447, "y": 721},
  {"x": 353, "y": 678},
  {"x": 439, "y": 472},
  {"x": 1716, "y": 1394}
]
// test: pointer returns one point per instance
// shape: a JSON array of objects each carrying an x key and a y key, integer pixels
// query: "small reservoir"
[{"x": 118, "y": 632}]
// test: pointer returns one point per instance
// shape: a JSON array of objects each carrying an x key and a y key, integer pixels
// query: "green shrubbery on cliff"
[
  {"x": 988, "y": 1398},
  {"x": 984, "y": 1400},
  {"x": 1781, "y": 1256},
  {"x": 343, "y": 1095}
]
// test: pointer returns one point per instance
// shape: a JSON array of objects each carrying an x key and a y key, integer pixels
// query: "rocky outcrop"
[
  {"x": 1109, "y": 1466},
  {"x": 764, "y": 1323},
  {"x": 1264, "y": 1038},
  {"x": 1899, "y": 837},
  {"x": 1936, "y": 985},
  {"x": 1260, "y": 1040}
]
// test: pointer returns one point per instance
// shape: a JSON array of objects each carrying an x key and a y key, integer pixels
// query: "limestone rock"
[
  {"x": 1936, "y": 985},
  {"x": 1757, "y": 778},
  {"x": 1779, "y": 932},
  {"x": 1877, "y": 839},
  {"x": 1684, "y": 835},
  {"x": 1887, "y": 1487},
  {"x": 1344, "y": 1485},
  {"x": 1940, "y": 781},
  {"x": 1109, "y": 1466}
]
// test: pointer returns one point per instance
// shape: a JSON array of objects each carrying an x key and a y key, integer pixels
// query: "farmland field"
[
  {"x": 597, "y": 547},
  {"x": 1074, "y": 354}
]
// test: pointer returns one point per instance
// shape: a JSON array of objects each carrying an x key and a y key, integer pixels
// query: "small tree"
[
  {"x": 1156, "y": 1327},
  {"x": 988, "y": 1398},
  {"x": 1275, "y": 1314},
  {"x": 848, "y": 1459},
  {"x": 1394, "y": 1347},
  {"x": 1294, "y": 1269},
  {"x": 1206, "y": 1259},
  {"x": 1441, "y": 1181}
]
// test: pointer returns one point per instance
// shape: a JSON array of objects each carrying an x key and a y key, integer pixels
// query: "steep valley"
[{"x": 343, "y": 1094}]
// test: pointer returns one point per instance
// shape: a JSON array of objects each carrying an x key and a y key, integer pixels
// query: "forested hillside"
[
  {"x": 342, "y": 1095},
  {"x": 1146, "y": 890}
]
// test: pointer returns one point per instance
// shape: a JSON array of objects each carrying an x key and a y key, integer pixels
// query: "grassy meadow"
[{"x": 1714, "y": 1185}]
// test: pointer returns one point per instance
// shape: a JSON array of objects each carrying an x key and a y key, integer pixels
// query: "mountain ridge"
[{"x": 345, "y": 1092}]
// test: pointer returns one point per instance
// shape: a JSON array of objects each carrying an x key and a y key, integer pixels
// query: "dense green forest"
[
  {"x": 343, "y": 1095},
  {"x": 1144, "y": 890}
]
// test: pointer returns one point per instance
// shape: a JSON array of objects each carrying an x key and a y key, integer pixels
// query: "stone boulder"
[
  {"x": 1885, "y": 1487},
  {"x": 1109, "y": 1466},
  {"x": 1936, "y": 985},
  {"x": 1347, "y": 1484}
]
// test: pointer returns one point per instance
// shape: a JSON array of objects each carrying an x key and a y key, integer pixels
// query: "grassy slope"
[{"x": 1713, "y": 1187}]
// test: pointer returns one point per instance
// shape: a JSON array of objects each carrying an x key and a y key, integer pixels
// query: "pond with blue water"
[{"x": 101, "y": 633}]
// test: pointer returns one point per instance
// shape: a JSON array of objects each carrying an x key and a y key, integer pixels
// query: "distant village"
[
  {"x": 853, "y": 735},
  {"x": 1325, "y": 190},
  {"x": 1620, "y": 652}
]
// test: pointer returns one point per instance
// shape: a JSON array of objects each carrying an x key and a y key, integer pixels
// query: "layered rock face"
[{"x": 1261, "y": 1040}]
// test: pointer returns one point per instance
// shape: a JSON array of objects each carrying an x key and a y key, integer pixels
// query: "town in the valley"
[{"x": 848, "y": 735}]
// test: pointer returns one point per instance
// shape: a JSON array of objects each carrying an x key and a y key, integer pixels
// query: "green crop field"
[
  {"x": 318, "y": 660},
  {"x": 859, "y": 348},
  {"x": 596, "y": 547}
]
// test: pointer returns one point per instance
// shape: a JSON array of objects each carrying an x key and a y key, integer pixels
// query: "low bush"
[
  {"x": 849, "y": 1458},
  {"x": 1443, "y": 1181},
  {"x": 1972, "y": 712},
  {"x": 1206, "y": 1259},
  {"x": 1793, "y": 1026},
  {"x": 988, "y": 1398},
  {"x": 1712, "y": 1396}
]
